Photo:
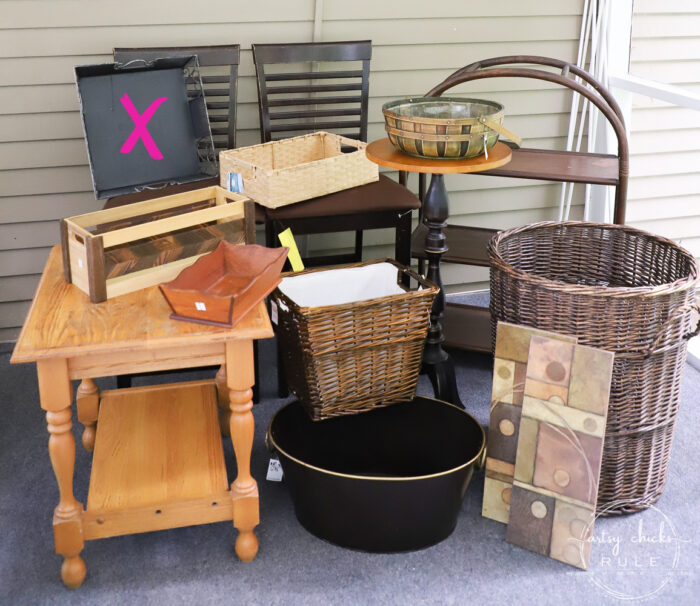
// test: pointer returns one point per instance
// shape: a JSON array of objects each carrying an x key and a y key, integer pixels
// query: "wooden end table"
[
  {"x": 436, "y": 362},
  {"x": 158, "y": 458}
]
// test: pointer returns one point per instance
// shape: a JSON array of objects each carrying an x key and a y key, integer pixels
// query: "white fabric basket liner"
[{"x": 344, "y": 285}]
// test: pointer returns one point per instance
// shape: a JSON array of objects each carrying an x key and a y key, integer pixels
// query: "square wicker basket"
[
  {"x": 353, "y": 356},
  {"x": 291, "y": 170}
]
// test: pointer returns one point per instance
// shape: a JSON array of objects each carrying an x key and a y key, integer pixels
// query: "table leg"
[
  {"x": 244, "y": 490},
  {"x": 88, "y": 401},
  {"x": 436, "y": 362},
  {"x": 56, "y": 396},
  {"x": 222, "y": 401}
]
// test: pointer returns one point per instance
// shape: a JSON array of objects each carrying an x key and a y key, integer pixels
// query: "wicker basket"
[
  {"x": 291, "y": 170},
  {"x": 353, "y": 357},
  {"x": 619, "y": 289}
]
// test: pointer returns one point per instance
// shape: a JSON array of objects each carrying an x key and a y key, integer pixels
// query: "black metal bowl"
[{"x": 388, "y": 480}]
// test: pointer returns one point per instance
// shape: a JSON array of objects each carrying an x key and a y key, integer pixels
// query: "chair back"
[
  {"x": 219, "y": 84},
  {"x": 323, "y": 94}
]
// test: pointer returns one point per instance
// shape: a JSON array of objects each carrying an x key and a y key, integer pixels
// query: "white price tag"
[
  {"x": 273, "y": 312},
  {"x": 274, "y": 471},
  {"x": 200, "y": 306}
]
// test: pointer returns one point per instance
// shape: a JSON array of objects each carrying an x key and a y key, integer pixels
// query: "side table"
[
  {"x": 158, "y": 457},
  {"x": 436, "y": 362}
]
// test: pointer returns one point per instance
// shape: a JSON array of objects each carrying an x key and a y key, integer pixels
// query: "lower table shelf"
[
  {"x": 467, "y": 327},
  {"x": 158, "y": 461}
]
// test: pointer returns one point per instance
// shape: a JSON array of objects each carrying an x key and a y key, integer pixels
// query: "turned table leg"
[
  {"x": 436, "y": 362},
  {"x": 222, "y": 401},
  {"x": 244, "y": 490},
  {"x": 56, "y": 397},
  {"x": 88, "y": 401}
]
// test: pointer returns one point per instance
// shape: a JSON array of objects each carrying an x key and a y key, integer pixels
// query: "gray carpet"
[{"x": 197, "y": 565}]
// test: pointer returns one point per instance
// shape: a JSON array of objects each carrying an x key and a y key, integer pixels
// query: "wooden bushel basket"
[{"x": 445, "y": 127}]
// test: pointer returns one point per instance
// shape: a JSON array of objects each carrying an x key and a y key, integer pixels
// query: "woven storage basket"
[
  {"x": 619, "y": 289},
  {"x": 290, "y": 170},
  {"x": 353, "y": 357}
]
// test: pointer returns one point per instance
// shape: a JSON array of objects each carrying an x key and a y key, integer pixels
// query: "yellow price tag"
[{"x": 287, "y": 239}]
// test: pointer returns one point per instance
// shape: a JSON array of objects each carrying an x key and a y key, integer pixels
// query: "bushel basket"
[
  {"x": 352, "y": 337},
  {"x": 619, "y": 289}
]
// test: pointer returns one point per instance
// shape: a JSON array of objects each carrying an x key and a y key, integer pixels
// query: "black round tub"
[{"x": 388, "y": 480}]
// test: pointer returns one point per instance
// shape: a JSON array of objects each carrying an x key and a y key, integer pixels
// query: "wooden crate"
[{"x": 115, "y": 251}]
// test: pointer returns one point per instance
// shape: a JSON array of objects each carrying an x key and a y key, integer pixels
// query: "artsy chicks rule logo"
[{"x": 634, "y": 557}]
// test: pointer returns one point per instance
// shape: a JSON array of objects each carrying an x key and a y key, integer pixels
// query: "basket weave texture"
[
  {"x": 291, "y": 170},
  {"x": 619, "y": 289},
  {"x": 352, "y": 358},
  {"x": 447, "y": 137}
]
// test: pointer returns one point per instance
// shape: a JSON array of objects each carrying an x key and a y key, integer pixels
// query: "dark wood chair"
[
  {"x": 219, "y": 73},
  {"x": 293, "y": 102}
]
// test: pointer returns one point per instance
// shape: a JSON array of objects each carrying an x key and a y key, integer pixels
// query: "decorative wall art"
[
  {"x": 511, "y": 356},
  {"x": 559, "y": 449}
]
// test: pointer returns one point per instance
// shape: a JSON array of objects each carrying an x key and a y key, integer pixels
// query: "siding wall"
[
  {"x": 664, "y": 194},
  {"x": 43, "y": 165}
]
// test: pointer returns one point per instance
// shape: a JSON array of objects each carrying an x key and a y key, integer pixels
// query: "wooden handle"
[{"x": 501, "y": 130}]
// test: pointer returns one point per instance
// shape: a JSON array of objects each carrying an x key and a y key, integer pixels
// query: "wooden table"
[
  {"x": 436, "y": 362},
  {"x": 158, "y": 457}
]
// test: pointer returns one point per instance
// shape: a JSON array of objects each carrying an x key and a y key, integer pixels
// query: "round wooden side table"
[{"x": 436, "y": 362}]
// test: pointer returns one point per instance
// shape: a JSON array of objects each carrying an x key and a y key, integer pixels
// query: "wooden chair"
[
  {"x": 219, "y": 73},
  {"x": 293, "y": 103}
]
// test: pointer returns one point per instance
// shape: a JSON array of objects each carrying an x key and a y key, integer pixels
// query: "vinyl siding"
[
  {"x": 43, "y": 165},
  {"x": 664, "y": 195}
]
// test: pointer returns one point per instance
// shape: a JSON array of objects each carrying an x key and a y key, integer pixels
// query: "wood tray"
[
  {"x": 222, "y": 287},
  {"x": 115, "y": 251}
]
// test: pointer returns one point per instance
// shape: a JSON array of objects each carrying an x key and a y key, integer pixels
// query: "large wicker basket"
[
  {"x": 353, "y": 357},
  {"x": 619, "y": 289},
  {"x": 291, "y": 170}
]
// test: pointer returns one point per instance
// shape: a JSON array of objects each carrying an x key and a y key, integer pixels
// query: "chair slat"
[
  {"x": 215, "y": 79},
  {"x": 316, "y": 113},
  {"x": 216, "y": 92},
  {"x": 315, "y": 126},
  {"x": 311, "y": 88},
  {"x": 217, "y": 105},
  {"x": 357, "y": 73},
  {"x": 314, "y": 101}
]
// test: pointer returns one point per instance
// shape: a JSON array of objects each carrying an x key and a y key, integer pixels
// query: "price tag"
[
  {"x": 234, "y": 181},
  {"x": 274, "y": 470},
  {"x": 273, "y": 312},
  {"x": 287, "y": 239}
]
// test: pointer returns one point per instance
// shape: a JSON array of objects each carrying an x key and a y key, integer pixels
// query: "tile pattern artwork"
[
  {"x": 559, "y": 451},
  {"x": 509, "y": 379}
]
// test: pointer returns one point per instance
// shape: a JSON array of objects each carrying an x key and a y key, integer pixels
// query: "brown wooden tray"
[{"x": 222, "y": 287}]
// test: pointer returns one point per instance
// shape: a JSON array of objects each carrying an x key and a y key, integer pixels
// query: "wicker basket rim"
[
  {"x": 234, "y": 155},
  {"x": 429, "y": 289},
  {"x": 388, "y": 109},
  {"x": 583, "y": 289}
]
